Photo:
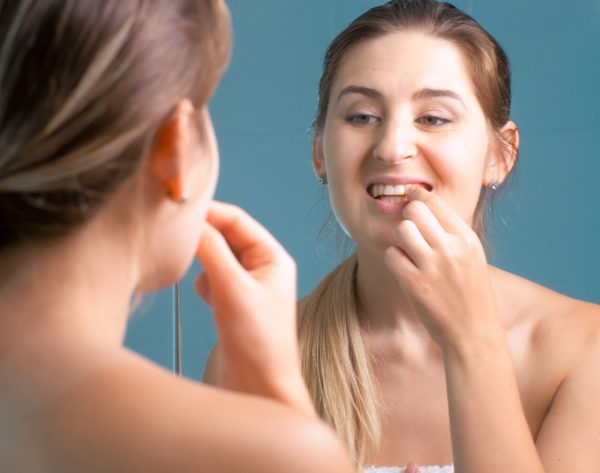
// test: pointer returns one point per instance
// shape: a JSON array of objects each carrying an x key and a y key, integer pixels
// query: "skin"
[
  {"x": 74, "y": 399},
  {"x": 476, "y": 366}
]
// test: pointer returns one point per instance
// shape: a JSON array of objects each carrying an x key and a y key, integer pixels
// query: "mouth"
[{"x": 393, "y": 193}]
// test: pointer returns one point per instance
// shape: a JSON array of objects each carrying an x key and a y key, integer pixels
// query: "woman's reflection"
[{"x": 415, "y": 349}]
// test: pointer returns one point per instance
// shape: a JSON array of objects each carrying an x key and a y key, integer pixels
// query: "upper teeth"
[{"x": 378, "y": 190}]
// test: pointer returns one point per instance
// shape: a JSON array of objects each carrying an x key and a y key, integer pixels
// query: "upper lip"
[{"x": 397, "y": 180}]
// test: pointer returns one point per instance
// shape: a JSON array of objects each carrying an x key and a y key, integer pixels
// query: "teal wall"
[{"x": 547, "y": 225}]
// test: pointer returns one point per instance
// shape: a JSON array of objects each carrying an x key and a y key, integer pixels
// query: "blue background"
[{"x": 546, "y": 225}]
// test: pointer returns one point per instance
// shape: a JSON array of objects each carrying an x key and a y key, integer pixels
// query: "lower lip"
[{"x": 386, "y": 207}]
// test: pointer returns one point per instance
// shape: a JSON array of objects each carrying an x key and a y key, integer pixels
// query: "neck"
[
  {"x": 76, "y": 286},
  {"x": 387, "y": 311},
  {"x": 383, "y": 302}
]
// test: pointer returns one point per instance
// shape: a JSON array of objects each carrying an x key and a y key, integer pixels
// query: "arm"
[
  {"x": 488, "y": 425},
  {"x": 113, "y": 411},
  {"x": 482, "y": 400},
  {"x": 570, "y": 434},
  {"x": 265, "y": 415},
  {"x": 249, "y": 280},
  {"x": 441, "y": 267}
]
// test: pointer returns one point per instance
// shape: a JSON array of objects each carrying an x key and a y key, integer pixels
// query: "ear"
[
  {"x": 502, "y": 161},
  {"x": 318, "y": 161},
  {"x": 173, "y": 140}
]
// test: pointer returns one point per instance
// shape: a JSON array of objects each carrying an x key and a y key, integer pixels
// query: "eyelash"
[
  {"x": 426, "y": 120},
  {"x": 355, "y": 119},
  {"x": 363, "y": 119}
]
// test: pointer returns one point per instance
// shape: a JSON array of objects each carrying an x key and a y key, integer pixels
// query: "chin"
[
  {"x": 374, "y": 244},
  {"x": 162, "y": 276}
]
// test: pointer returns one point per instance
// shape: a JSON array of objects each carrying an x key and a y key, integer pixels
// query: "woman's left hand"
[{"x": 441, "y": 266}]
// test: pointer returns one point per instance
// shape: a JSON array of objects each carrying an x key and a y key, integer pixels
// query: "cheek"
[
  {"x": 342, "y": 161},
  {"x": 460, "y": 164},
  {"x": 459, "y": 152},
  {"x": 344, "y": 154}
]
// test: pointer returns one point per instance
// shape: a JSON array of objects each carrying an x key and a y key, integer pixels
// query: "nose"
[{"x": 396, "y": 143}]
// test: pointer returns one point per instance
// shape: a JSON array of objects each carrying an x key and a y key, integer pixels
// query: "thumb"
[{"x": 220, "y": 265}]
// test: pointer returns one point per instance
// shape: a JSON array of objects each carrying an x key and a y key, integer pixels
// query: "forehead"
[{"x": 405, "y": 61}]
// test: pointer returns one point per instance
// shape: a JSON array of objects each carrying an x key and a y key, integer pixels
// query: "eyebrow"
[
  {"x": 357, "y": 89},
  {"x": 419, "y": 95},
  {"x": 435, "y": 93}
]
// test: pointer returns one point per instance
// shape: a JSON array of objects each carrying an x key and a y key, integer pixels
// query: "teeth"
[
  {"x": 394, "y": 199},
  {"x": 379, "y": 190}
]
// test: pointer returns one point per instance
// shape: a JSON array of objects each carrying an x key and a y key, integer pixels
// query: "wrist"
[
  {"x": 481, "y": 348},
  {"x": 293, "y": 392}
]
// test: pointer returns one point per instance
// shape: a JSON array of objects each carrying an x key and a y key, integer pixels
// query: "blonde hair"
[
  {"x": 84, "y": 87},
  {"x": 336, "y": 364}
]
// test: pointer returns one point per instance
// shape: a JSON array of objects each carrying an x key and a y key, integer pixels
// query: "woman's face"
[{"x": 402, "y": 111}]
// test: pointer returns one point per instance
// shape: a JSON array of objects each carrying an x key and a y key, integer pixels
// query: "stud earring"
[
  {"x": 182, "y": 199},
  {"x": 323, "y": 179},
  {"x": 494, "y": 185}
]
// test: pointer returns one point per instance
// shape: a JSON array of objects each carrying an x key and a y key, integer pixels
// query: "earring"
[
  {"x": 182, "y": 199},
  {"x": 494, "y": 185},
  {"x": 323, "y": 179}
]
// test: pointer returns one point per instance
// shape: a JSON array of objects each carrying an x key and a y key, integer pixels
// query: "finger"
[
  {"x": 421, "y": 215},
  {"x": 413, "y": 243},
  {"x": 249, "y": 240},
  {"x": 399, "y": 263},
  {"x": 222, "y": 268},
  {"x": 446, "y": 215}
]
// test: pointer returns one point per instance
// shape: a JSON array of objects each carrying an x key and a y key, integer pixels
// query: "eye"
[
  {"x": 432, "y": 120},
  {"x": 361, "y": 119}
]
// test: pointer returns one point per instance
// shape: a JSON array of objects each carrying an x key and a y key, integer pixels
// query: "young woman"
[
  {"x": 415, "y": 349},
  {"x": 108, "y": 165}
]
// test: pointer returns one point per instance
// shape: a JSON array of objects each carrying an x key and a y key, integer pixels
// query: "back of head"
[{"x": 84, "y": 86}]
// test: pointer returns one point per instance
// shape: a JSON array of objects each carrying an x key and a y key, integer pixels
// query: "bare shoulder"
[
  {"x": 554, "y": 322},
  {"x": 134, "y": 416},
  {"x": 565, "y": 356},
  {"x": 564, "y": 316}
]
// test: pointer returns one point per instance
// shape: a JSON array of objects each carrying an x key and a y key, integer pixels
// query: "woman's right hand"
[{"x": 250, "y": 282}]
